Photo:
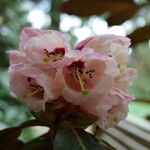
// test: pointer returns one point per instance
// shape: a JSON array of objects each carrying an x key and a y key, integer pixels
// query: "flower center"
[
  {"x": 36, "y": 90},
  {"x": 53, "y": 56},
  {"x": 77, "y": 69},
  {"x": 90, "y": 73}
]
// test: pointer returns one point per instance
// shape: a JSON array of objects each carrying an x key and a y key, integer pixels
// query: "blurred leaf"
[
  {"x": 37, "y": 144},
  {"x": 32, "y": 122},
  {"x": 14, "y": 145},
  {"x": 140, "y": 35},
  {"x": 119, "y": 17},
  {"x": 93, "y": 7},
  {"x": 81, "y": 119},
  {"x": 9, "y": 137},
  {"x": 134, "y": 108},
  {"x": 31, "y": 133},
  {"x": 148, "y": 117},
  {"x": 68, "y": 138},
  {"x": 108, "y": 145},
  {"x": 14, "y": 132},
  {"x": 9, "y": 134},
  {"x": 140, "y": 100}
]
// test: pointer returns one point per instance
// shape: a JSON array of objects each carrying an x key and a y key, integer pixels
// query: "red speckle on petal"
[
  {"x": 76, "y": 64},
  {"x": 60, "y": 50}
]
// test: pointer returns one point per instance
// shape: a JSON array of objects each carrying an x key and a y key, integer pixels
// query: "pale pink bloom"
[
  {"x": 99, "y": 104},
  {"x": 114, "y": 116},
  {"x": 111, "y": 45},
  {"x": 43, "y": 46},
  {"x": 16, "y": 57},
  {"x": 38, "y": 48},
  {"x": 87, "y": 74},
  {"x": 27, "y": 33},
  {"x": 125, "y": 78},
  {"x": 113, "y": 106},
  {"x": 124, "y": 96},
  {"x": 33, "y": 85},
  {"x": 109, "y": 108},
  {"x": 94, "y": 75}
]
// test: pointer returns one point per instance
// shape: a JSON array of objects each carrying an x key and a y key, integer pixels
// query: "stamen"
[
  {"x": 115, "y": 120},
  {"x": 75, "y": 76},
  {"x": 33, "y": 93},
  {"x": 47, "y": 53},
  {"x": 46, "y": 59},
  {"x": 90, "y": 73},
  {"x": 84, "y": 91},
  {"x": 76, "y": 69},
  {"x": 58, "y": 56},
  {"x": 53, "y": 56}
]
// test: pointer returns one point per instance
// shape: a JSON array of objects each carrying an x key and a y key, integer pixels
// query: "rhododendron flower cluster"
[{"x": 93, "y": 75}]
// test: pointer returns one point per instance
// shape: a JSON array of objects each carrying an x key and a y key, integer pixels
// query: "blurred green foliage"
[
  {"x": 12, "y": 19},
  {"x": 12, "y": 112}
]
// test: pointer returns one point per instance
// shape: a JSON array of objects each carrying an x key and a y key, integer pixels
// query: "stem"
[{"x": 55, "y": 14}]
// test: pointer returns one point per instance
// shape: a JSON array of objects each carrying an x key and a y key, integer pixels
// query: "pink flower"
[
  {"x": 33, "y": 85},
  {"x": 94, "y": 76},
  {"x": 111, "y": 45},
  {"x": 87, "y": 74},
  {"x": 125, "y": 78},
  {"x": 109, "y": 108},
  {"x": 16, "y": 57},
  {"x": 114, "y": 116},
  {"x": 43, "y": 46},
  {"x": 30, "y": 66}
]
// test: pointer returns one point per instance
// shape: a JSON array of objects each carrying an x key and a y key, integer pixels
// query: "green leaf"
[
  {"x": 14, "y": 145},
  {"x": 14, "y": 132},
  {"x": 38, "y": 144},
  {"x": 68, "y": 138},
  {"x": 80, "y": 119},
  {"x": 108, "y": 145},
  {"x": 9, "y": 137}
]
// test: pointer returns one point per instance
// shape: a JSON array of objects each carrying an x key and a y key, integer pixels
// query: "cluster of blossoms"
[{"x": 94, "y": 75}]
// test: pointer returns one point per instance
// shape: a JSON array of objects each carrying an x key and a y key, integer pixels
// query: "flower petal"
[
  {"x": 112, "y": 45},
  {"x": 16, "y": 57},
  {"x": 26, "y": 34},
  {"x": 37, "y": 49}
]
